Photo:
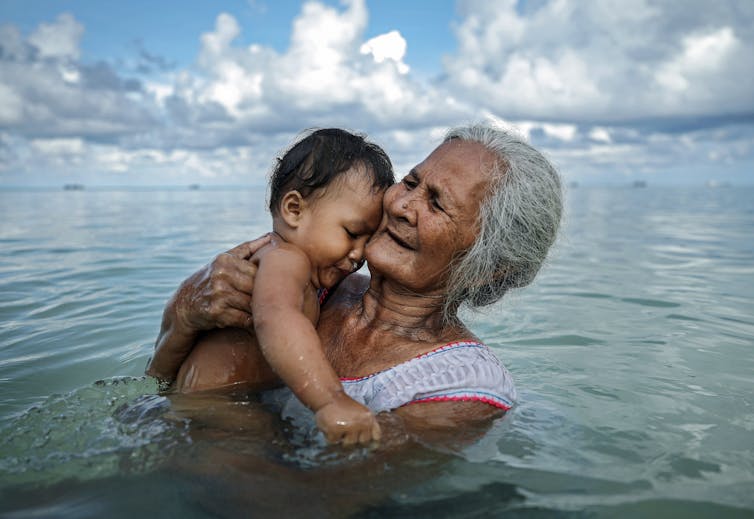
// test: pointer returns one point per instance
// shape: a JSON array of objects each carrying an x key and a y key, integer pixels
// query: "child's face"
[{"x": 336, "y": 226}]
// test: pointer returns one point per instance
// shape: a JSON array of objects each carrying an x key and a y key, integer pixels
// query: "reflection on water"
[{"x": 632, "y": 354}]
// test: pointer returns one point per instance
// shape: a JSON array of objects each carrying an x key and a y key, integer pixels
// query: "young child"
[{"x": 326, "y": 201}]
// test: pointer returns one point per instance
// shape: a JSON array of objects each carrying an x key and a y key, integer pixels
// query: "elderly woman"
[{"x": 473, "y": 220}]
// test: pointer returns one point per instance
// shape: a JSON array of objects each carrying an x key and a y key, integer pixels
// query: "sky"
[{"x": 210, "y": 92}]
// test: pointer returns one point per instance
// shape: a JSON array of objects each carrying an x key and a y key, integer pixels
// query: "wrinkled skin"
[
  {"x": 217, "y": 296},
  {"x": 368, "y": 325}
]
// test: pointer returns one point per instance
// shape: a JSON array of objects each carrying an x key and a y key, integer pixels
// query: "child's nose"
[{"x": 357, "y": 253}]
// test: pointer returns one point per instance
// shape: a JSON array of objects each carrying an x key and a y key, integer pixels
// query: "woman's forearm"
[
  {"x": 216, "y": 296},
  {"x": 173, "y": 345}
]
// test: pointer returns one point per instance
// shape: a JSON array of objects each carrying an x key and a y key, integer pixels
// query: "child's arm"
[{"x": 290, "y": 344}]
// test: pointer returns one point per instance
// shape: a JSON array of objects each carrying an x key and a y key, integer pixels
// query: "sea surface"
[{"x": 633, "y": 353}]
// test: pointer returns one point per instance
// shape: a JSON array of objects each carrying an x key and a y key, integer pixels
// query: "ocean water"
[{"x": 633, "y": 353}]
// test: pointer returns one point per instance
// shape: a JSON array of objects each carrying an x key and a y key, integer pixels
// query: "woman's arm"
[
  {"x": 217, "y": 296},
  {"x": 447, "y": 415},
  {"x": 450, "y": 425}
]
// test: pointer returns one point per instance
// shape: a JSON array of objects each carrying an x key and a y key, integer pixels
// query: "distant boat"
[
  {"x": 193, "y": 186},
  {"x": 716, "y": 183},
  {"x": 73, "y": 187},
  {"x": 639, "y": 183}
]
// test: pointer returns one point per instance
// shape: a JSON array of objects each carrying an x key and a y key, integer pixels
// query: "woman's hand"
[{"x": 217, "y": 296}]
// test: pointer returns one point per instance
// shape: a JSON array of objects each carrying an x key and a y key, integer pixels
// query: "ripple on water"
[
  {"x": 650, "y": 302},
  {"x": 559, "y": 340},
  {"x": 681, "y": 317},
  {"x": 87, "y": 433},
  {"x": 670, "y": 508},
  {"x": 626, "y": 349},
  {"x": 590, "y": 295}
]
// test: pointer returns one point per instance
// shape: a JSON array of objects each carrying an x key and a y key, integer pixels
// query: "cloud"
[
  {"x": 328, "y": 73},
  {"x": 390, "y": 45},
  {"x": 699, "y": 73},
  {"x": 605, "y": 61},
  {"x": 619, "y": 86},
  {"x": 46, "y": 92},
  {"x": 149, "y": 62},
  {"x": 11, "y": 111},
  {"x": 59, "y": 39}
]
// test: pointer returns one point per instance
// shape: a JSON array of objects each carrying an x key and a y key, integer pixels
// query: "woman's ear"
[{"x": 292, "y": 208}]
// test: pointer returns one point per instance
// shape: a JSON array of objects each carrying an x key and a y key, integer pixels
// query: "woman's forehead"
[
  {"x": 460, "y": 167},
  {"x": 462, "y": 156}
]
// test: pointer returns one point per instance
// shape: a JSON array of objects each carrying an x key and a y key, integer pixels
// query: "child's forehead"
[
  {"x": 354, "y": 200},
  {"x": 355, "y": 182}
]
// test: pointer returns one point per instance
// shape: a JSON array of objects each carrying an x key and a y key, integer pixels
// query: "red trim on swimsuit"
[{"x": 469, "y": 398}]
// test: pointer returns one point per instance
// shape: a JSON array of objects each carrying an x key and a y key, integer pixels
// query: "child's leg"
[{"x": 222, "y": 358}]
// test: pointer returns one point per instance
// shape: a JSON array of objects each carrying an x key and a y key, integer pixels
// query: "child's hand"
[{"x": 346, "y": 421}]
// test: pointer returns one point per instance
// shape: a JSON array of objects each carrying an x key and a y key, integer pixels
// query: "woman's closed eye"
[
  {"x": 410, "y": 182},
  {"x": 352, "y": 235}
]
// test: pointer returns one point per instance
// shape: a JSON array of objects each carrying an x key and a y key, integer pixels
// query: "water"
[{"x": 633, "y": 354}]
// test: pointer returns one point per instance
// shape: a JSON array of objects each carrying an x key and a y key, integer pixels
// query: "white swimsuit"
[{"x": 463, "y": 370}]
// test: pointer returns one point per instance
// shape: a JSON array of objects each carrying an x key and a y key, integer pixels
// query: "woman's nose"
[{"x": 402, "y": 206}]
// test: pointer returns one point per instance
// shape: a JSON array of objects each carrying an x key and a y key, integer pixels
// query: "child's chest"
[{"x": 310, "y": 304}]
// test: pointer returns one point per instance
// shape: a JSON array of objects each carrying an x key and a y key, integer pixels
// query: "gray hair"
[{"x": 518, "y": 221}]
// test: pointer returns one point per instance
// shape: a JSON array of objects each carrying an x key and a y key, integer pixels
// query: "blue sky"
[
  {"x": 117, "y": 31},
  {"x": 209, "y": 92}
]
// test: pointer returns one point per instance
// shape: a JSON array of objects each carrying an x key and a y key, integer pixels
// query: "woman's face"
[{"x": 431, "y": 215}]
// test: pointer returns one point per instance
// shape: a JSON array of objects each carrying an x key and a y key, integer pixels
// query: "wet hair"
[
  {"x": 323, "y": 155},
  {"x": 518, "y": 221}
]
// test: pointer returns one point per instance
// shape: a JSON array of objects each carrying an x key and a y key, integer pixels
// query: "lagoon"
[{"x": 633, "y": 354}]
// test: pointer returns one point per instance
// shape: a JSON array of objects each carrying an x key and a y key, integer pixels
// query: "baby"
[{"x": 326, "y": 202}]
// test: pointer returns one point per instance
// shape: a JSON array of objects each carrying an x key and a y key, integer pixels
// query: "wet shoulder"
[{"x": 279, "y": 251}]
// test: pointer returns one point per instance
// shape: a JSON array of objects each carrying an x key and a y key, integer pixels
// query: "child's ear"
[{"x": 292, "y": 208}]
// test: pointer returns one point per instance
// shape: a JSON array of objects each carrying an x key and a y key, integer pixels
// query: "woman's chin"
[
  {"x": 379, "y": 261},
  {"x": 384, "y": 251},
  {"x": 389, "y": 268}
]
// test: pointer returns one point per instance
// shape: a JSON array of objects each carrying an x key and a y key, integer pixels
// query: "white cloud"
[
  {"x": 390, "y": 45},
  {"x": 328, "y": 76},
  {"x": 46, "y": 92},
  {"x": 706, "y": 52},
  {"x": 59, "y": 39},
  {"x": 701, "y": 57},
  {"x": 11, "y": 110},
  {"x": 570, "y": 77},
  {"x": 58, "y": 146},
  {"x": 564, "y": 132},
  {"x": 600, "y": 134},
  {"x": 604, "y": 61}
]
